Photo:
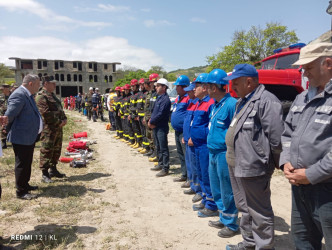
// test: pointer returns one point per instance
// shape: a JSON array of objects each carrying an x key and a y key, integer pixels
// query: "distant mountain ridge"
[{"x": 189, "y": 72}]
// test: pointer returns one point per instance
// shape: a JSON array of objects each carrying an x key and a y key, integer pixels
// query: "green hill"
[{"x": 191, "y": 72}]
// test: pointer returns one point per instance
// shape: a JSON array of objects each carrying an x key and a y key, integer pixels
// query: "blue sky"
[{"x": 172, "y": 34}]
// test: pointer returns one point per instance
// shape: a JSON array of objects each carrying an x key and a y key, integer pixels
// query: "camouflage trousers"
[
  {"x": 89, "y": 111},
  {"x": 51, "y": 143}
]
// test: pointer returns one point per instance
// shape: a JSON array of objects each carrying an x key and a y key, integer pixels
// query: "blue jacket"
[
  {"x": 188, "y": 118},
  {"x": 23, "y": 117},
  {"x": 199, "y": 126},
  {"x": 161, "y": 111},
  {"x": 220, "y": 119},
  {"x": 179, "y": 112}
]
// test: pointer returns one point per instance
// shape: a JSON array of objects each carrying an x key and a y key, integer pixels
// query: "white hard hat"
[
  {"x": 97, "y": 89},
  {"x": 90, "y": 88},
  {"x": 162, "y": 81}
]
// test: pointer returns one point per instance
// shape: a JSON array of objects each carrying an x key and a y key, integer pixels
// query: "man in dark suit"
[{"x": 25, "y": 124}]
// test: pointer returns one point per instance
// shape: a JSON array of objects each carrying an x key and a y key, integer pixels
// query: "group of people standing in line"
[{"x": 229, "y": 148}]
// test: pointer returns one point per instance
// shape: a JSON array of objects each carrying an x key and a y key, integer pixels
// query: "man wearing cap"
[
  {"x": 177, "y": 119},
  {"x": 25, "y": 126},
  {"x": 192, "y": 171},
  {"x": 199, "y": 129},
  {"x": 159, "y": 123},
  {"x": 220, "y": 119},
  {"x": 306, "y": 158},
  {"x": 88, "y": 103},
  {"x": 51, "y": 138},
  {"x": 253, "y": 150},
  {"x": 5, "y": 88}
]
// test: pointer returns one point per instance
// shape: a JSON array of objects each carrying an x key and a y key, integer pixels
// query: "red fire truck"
[{"x": 279, "y": 75}]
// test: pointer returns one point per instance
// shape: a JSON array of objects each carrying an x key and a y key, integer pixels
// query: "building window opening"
[
  {"x": 45, "y": 64},
  {"x": 106, "y": 78},
  {"x": 105, "y": 66},
  {"x": 95, "y": 78},
  {"x": 80, "y": 78},
  {"x": 111, "y": 78},
  {"x": 80, "y": 66},
  {"x": 74, "y": 65},
  {"x": 39, "y": 65},
  {"x": 62, "y": 77},
  {"x": 57, "y": 77},
  {"x": 90, "y": 78},
  {"x": 26, "y": 65},
  {"x": 61, "y": 64},
  {"x": 68, "y": 78},
  {"x": 75, "y": 78}
]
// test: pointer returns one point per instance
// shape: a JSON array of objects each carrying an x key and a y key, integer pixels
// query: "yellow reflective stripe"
[
  {"x": 141, "y": 114},
  {"x": 140, "y": 100},
  {"x": 146, "y": 143},
  {"x": 139, "y": 136}
]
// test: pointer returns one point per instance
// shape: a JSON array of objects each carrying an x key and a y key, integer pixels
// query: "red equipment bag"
[
  {"x": 80, "y": 135},
  {"x": 73, "y": 145},
  {"x": 66, "y": 159}
]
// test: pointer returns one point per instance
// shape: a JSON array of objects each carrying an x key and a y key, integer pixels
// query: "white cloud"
[
  {"x": 46, "y": 14},
  {"x": 103, "y": 8},
  {"x": 197, "y": 20},
  {"x": 153, "y": 23},
  {"x": 102, "y": 49},
  {"x": 2, "y": 27}
]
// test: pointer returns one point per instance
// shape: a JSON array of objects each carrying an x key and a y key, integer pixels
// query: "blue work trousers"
[
  {"x": 202, "y": 163},
  {"x": 181, "y": 150},
  {"x": 312, "y": 215},
  {"x": 222, "y": 190},
  {"x": 160, "y": 136},
  {"x": 192, "y": 169}
]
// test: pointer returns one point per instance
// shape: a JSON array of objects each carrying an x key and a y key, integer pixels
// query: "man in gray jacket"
[
  {"x": 253, "y": 150},
  {"x": 307, "y": 151}
]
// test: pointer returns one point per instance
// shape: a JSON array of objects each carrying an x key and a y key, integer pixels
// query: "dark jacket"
[{"x": 161, "y": 111}]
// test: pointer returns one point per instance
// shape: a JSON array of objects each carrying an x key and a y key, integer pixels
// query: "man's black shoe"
[
  {"x": 189, "y": 191},
  {"x": 197, "y": 198},
  {"x": 46, "y": 179},
  {"x": 148, "y": 153},
  {"x": 156, "y": 168},
  {"x": 162, "y": 173},
  {"x": 31, "y": 188},
  {"x": 207, "y": 213},
  {"x": 226, "y": 233},
  {"x": 57, "y": 174},
  {"x": 217, "y": 224},
  {"x": 185, "y": 185},
  {"x": 180, "y": 179},
  {"x": 239, "y": 246},
  {"x": 197, "y": 207},
  {"x": 26, "y": 196}
]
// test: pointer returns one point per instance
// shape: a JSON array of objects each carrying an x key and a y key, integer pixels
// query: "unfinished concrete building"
[{"x": 73, "y": 76}]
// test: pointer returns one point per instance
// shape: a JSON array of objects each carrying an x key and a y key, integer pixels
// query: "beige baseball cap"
[{"x": 313, "y": 51}]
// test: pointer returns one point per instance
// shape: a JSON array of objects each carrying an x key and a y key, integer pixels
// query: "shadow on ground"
[{"x": 87, "y": 177}]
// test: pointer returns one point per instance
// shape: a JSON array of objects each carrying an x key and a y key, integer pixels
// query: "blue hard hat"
[
  {"x": 217, "y": 76},
  {"x": 190, "y": 87},
  {"x": 201, "y": 78},
  {"x": 182, "y": 80}
]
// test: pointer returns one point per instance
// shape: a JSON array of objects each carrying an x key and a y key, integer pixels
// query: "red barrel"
[
  {"x": 80, "y": 135},
  {"x": 66, "y": 159}
]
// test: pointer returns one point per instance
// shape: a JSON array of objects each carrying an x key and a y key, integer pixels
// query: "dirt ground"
[{"x": 134, "y": 209}]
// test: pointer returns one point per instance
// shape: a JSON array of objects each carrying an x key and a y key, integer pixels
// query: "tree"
[
  {"x": 252, "y": 46},
  {"x": 5, "y": 72}
]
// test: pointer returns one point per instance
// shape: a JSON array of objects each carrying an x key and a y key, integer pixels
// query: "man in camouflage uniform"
[
  {"x": 5, "y": 89},
  {"x": 88, "y": 103},
  {"x": 54, "y": 119}
]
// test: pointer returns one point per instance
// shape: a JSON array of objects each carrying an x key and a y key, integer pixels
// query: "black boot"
[
  {"x": 4, "y": 143},
  {"x": 149, "y": 153},
  {"x": 46, "y": 176},
  {"x": 55, "y": 173}
]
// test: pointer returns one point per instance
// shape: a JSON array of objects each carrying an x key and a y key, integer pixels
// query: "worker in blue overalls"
[
  {"x": 195, "y": 187},
  {"x": 198, "y": 138},
  {"x": 220, "y": 118},
  {"x": 177, "y": 118}
]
